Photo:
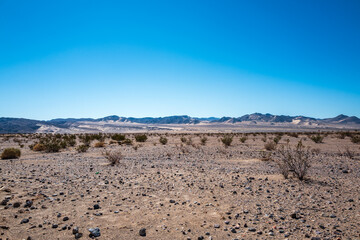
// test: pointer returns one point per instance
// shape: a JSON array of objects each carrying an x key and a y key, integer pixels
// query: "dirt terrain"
[{"x": 180, "y": 190}]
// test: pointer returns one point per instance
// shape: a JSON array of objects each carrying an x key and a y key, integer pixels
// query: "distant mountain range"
[{"x": 22, "y": 125}]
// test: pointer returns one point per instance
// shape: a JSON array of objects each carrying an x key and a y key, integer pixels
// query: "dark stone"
[
  {"x": 28, "y": 203},
  {"x": 25, "y": 220},
  {"x": 142, "y": 232},
  {"x": 78, "y": 235},
  {"x": 94, "y": 232}
]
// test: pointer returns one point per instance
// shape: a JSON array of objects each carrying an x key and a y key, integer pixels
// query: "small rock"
[
  {"x": 94, "y": 232},
  {"x": 142, "y": 232}
]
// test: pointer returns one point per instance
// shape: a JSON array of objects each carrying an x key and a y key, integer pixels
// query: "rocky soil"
[{"x": 179, "y": 191}]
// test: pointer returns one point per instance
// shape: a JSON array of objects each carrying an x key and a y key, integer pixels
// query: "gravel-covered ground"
[{"x": 179, "y": 191}]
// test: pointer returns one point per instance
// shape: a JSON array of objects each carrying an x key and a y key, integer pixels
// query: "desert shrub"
[
  {"x": 82, "y": 148},
  {"x": 38, "y": 147},
  {"x": 127, "y": 141},
  {"x": 10, "y": 153},
  {"x": 163, "y": 140},
  {"x": 63, "y": 144},
  {"x": 118, "y": 137},
  {"x": 355, "y": 139},
  {"x": 203, "y": 140},
  {"x": 316, "y": 151},
  {"x": 243, "y": 139},
  {"x": 270, "y": 146},
  {"x": 317, "y": 138},
  {"x": 141, "y": 138},
  {"x": 293, "y": 134},
  {"x": 349, "y": 153},
  {"x": 277, "y": 139},
  {"x": 227, "y": 140},
  {"x": 297, "y": 160},
  {"x": 51, "y": 147},
  {"x": 265, "y": 156},
  {"x": 71, "y": 142},
  {"x": 264, "y": 139},
  {"x": 183, "y": 139},
  {"x": 99, "y": 144},
  {"x": 113, "y": 157}
]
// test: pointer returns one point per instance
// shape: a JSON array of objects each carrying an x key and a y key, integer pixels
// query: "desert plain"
[{"x": 187, "y": 188}]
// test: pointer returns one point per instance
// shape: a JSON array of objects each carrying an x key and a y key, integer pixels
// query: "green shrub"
[
  {"x": 183, "y": 139},
  {"x": 118, "y": 137},
  {"x": 243, "y": 139},
  {"x": 11, "y": 153},
  {"x": 82, "y": 148},
  {"x": 227, "y": 140},
  {"x": 52, "y": 147},
  {"x": 163, "y": 140},
  {"x": 127, "y": 141},
  {"x": 277, "y": 139},
  {"x": 355, "y": 139},
  {"x": 141, "y": 138}
]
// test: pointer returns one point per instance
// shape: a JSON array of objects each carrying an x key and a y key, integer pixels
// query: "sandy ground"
[{"x": 180, "y": 191}]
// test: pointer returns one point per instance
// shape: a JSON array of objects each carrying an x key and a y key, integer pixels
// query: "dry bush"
[
  {"x": 355, "y": 139},
  {"x": 163, "y": 140},
  {"x": 265, "y": 156},
  {"x": 11, "y": 153},
  {"x": 38, "y": 147},
  {"x": 317, "y": 138},
  {"x": 99, "y": 144},
  {"x": 316, "y": 151},
  {"x": 82, "y": 148},
  {"x": 243, "y": 139},
  {"x": 141, "y": 138},
  {"x": 270, "y": 146},
  {"x": 113, "y": 157},
  {"x": 183, "y": 139},
  {"x": 348, "y": 153},
  {"x": 227, "y": 140},
  {"x": 297, "y": 160},
  {"x": 203, "y": 140},
  {"x": 277, "y": 139},
  {"x": 118, "y": 137},
  {"x": 293, "y": 134}
]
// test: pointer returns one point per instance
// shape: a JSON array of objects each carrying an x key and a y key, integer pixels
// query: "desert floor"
[{"x": 181, "y": 190}]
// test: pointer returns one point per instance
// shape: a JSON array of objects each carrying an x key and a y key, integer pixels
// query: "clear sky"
[{"x": 74, "y": 58}]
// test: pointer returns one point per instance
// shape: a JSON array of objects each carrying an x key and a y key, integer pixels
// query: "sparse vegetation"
[
  {"x": 243, "y": 139},
  {"x": 38, "y": 147},
  {"x": 270, "y": 146},
  {"x": 163, "y": 140},
  {"x": 118, "y": 137},
  {"x": 227, "y": 140},
  {"x": 82, "y": 148},
  {"x": 355, "y": 139},
  {"x": 296, "y": 160},
  {"x": 10, "y": 153},
  {"x": 141, "y": 138},
  {"x": 113, "y": 157},
  {"x": 99, "y": 144},
  {"x": 317, "y": 138},
  {"x": 203, "y": 140}
]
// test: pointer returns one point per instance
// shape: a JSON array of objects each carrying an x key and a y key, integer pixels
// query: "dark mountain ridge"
[{"x": 23, "y": 125}]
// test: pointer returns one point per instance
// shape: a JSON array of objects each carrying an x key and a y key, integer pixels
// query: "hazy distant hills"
[{"x": 22, "y": 125}]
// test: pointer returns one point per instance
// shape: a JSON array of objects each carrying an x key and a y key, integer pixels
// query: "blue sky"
[{"x": 160, "y": 58}]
